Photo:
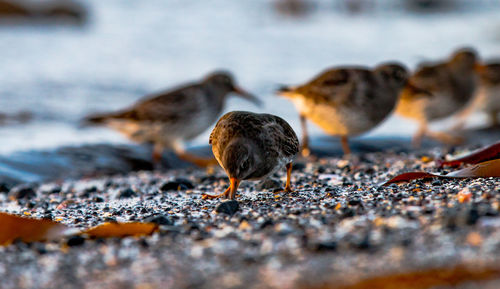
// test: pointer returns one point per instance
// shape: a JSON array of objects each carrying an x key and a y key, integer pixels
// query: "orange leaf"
[
  {"x": 110, "y": 230},
  {"x": 28, "y": 229},
  {"x": 488, "y": 153},
  {"x": 482, "y": 170}
]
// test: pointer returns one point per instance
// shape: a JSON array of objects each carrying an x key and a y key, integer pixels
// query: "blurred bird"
[
  {"x": 450, "y": 84},
  {"x": 487, "y": 98},
  {"x": 251, "y": 146},
  {"x": 347, "y": 101},
  {"x": 169, "y": 118}
]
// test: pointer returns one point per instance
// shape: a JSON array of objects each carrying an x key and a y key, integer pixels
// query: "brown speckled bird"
[
  {"x": 487, "y": 98},
  {"x": 169, "y": 118},
  {"x": 451, "y": 86},
  {"x": 347, "y": 101},
  {"x": 251, "y": 146}
]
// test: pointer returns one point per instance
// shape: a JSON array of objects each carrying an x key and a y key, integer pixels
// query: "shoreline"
[{"x": 338, "y": 228}]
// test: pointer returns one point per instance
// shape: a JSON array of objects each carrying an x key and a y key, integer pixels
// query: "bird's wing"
[
  {"x": 332, "y": 87},
  {"x": 168, "y": 106},
  {"x": 284, "y": 136}
]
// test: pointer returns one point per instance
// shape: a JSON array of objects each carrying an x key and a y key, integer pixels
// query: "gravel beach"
[{"x": 339, "y": 229}]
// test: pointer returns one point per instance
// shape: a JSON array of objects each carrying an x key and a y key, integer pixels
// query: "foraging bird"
[
  {"x": 251, "y": 146},
  {"x": 169, "y": 118},
  {"x": 487, "y": 98},
  {"x": 450, "y": 86},
  {"x": 347, "y": 101}
]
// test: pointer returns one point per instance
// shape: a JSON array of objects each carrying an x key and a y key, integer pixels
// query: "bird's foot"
[
  {"x": 447, "y": 138},
  {"x": 225, "y": 194},
  {"x": 198, "y": 161}
]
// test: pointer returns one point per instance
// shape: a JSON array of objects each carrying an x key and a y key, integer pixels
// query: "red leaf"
[
  {"x": 28, "y": 229},
  {"x": 482, "y": 170},
  {"x": 485, "y": 154}
]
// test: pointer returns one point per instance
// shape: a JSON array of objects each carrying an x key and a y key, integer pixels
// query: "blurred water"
[{"x": 130, "y": 48}]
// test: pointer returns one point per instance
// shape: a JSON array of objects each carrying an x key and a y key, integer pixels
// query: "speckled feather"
[
  {"x": 270, "y": 133},
  {"x": 340, "y": 86}
]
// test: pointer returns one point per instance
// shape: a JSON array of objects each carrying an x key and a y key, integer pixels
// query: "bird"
[
  {"x": 167, "y": 119},
  {"x": 252, "y": 146},
  {"x": 347, "y": 101},
  {"x": 450, "y": 85},
  {"x": 487, "y": 97}
]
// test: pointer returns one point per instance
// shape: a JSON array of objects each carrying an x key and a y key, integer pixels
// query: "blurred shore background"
[{"x": 105, "y": 55}]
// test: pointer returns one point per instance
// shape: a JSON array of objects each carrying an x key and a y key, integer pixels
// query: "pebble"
[
  {"x": 228, "y": 207},
  {"x": 177, "y": 184},
  {"x": 22, "y": 192},
  {"x": 127, "y": 193}
]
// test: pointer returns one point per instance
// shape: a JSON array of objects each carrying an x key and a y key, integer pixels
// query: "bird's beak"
[
  {"x": 248, "y": 96},
  {"x": 417, "y": 90},
  {"x": 285, "y": 91}
]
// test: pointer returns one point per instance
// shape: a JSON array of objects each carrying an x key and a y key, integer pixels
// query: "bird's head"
[
  {"x": 464, "y": 59},
  {"x": 224, "y": 82},
  {"x": 240, "y": 158},
  {"x": 394, "y": 73}
]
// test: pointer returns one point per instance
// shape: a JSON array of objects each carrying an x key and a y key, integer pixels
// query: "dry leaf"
[
  {"x": 28, "y": 229},
  {"x": 426, "y": 278},
  {"x": 482, "y": 170},
  {"x": 485, "y": 154},
  {"x": 110, "y": 230}
]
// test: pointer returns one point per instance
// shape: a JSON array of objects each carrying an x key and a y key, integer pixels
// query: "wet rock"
[
  {"x": 268, "y": 184},
  {"x": 325, "y": 246},
  {"x": 4, "y": 188},
  {"x": 22, "y": 193},
  {"x": 177, "y": 185},
  {"x": 75, "y": 241},
  {"x": 228, "y": 207},
  {"x": 159, "y": 219},
  {"x": 127, "y": 193}
]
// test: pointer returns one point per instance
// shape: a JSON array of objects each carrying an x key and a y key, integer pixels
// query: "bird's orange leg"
[
  {"x": 345, "y": 145},
  {"x": 234, "y": 188},
  {"x": 157, "y": 154},
  {"x": 305, "y": 137},
  {"x": 494, "y": 118},
  {"x": 199, "y": 161},
  {"x": 288, "y": 187},
  {"x": 230, "y": 192}
]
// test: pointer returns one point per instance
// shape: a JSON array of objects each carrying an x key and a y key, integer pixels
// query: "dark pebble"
[
  {"x": 325, "y": 246},
  {"x": 178, "y": 184},
  {"x": 228, "y": 207},
  {"x": 4, "y": 188},
  {"x": 75, "y": 241},
  {"x": 268, "y": 185},
  {"x": 98, "y": 199},
  {"x": 159, "y": 219},
  {"x": 354, "y": 201},
  {"x": 22, "y": 192},
  {"x": 127, "y": 193}
]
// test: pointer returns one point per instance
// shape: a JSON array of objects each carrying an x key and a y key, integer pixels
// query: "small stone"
[
  {"x": 127, "y": 193},
  {"x": 98, "y": 199},
  {"x": 4, "y": 188},
  {"x": 177, "y": 184},
  {"x": 268, "y": 184},
  {"x": 159, "y": 219},
  {"x": 325, "y": 246},
  {"x": 228, "y": 207},
  {"x": 22, "y": 192},
  {"x": 75, "y": 241}
]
